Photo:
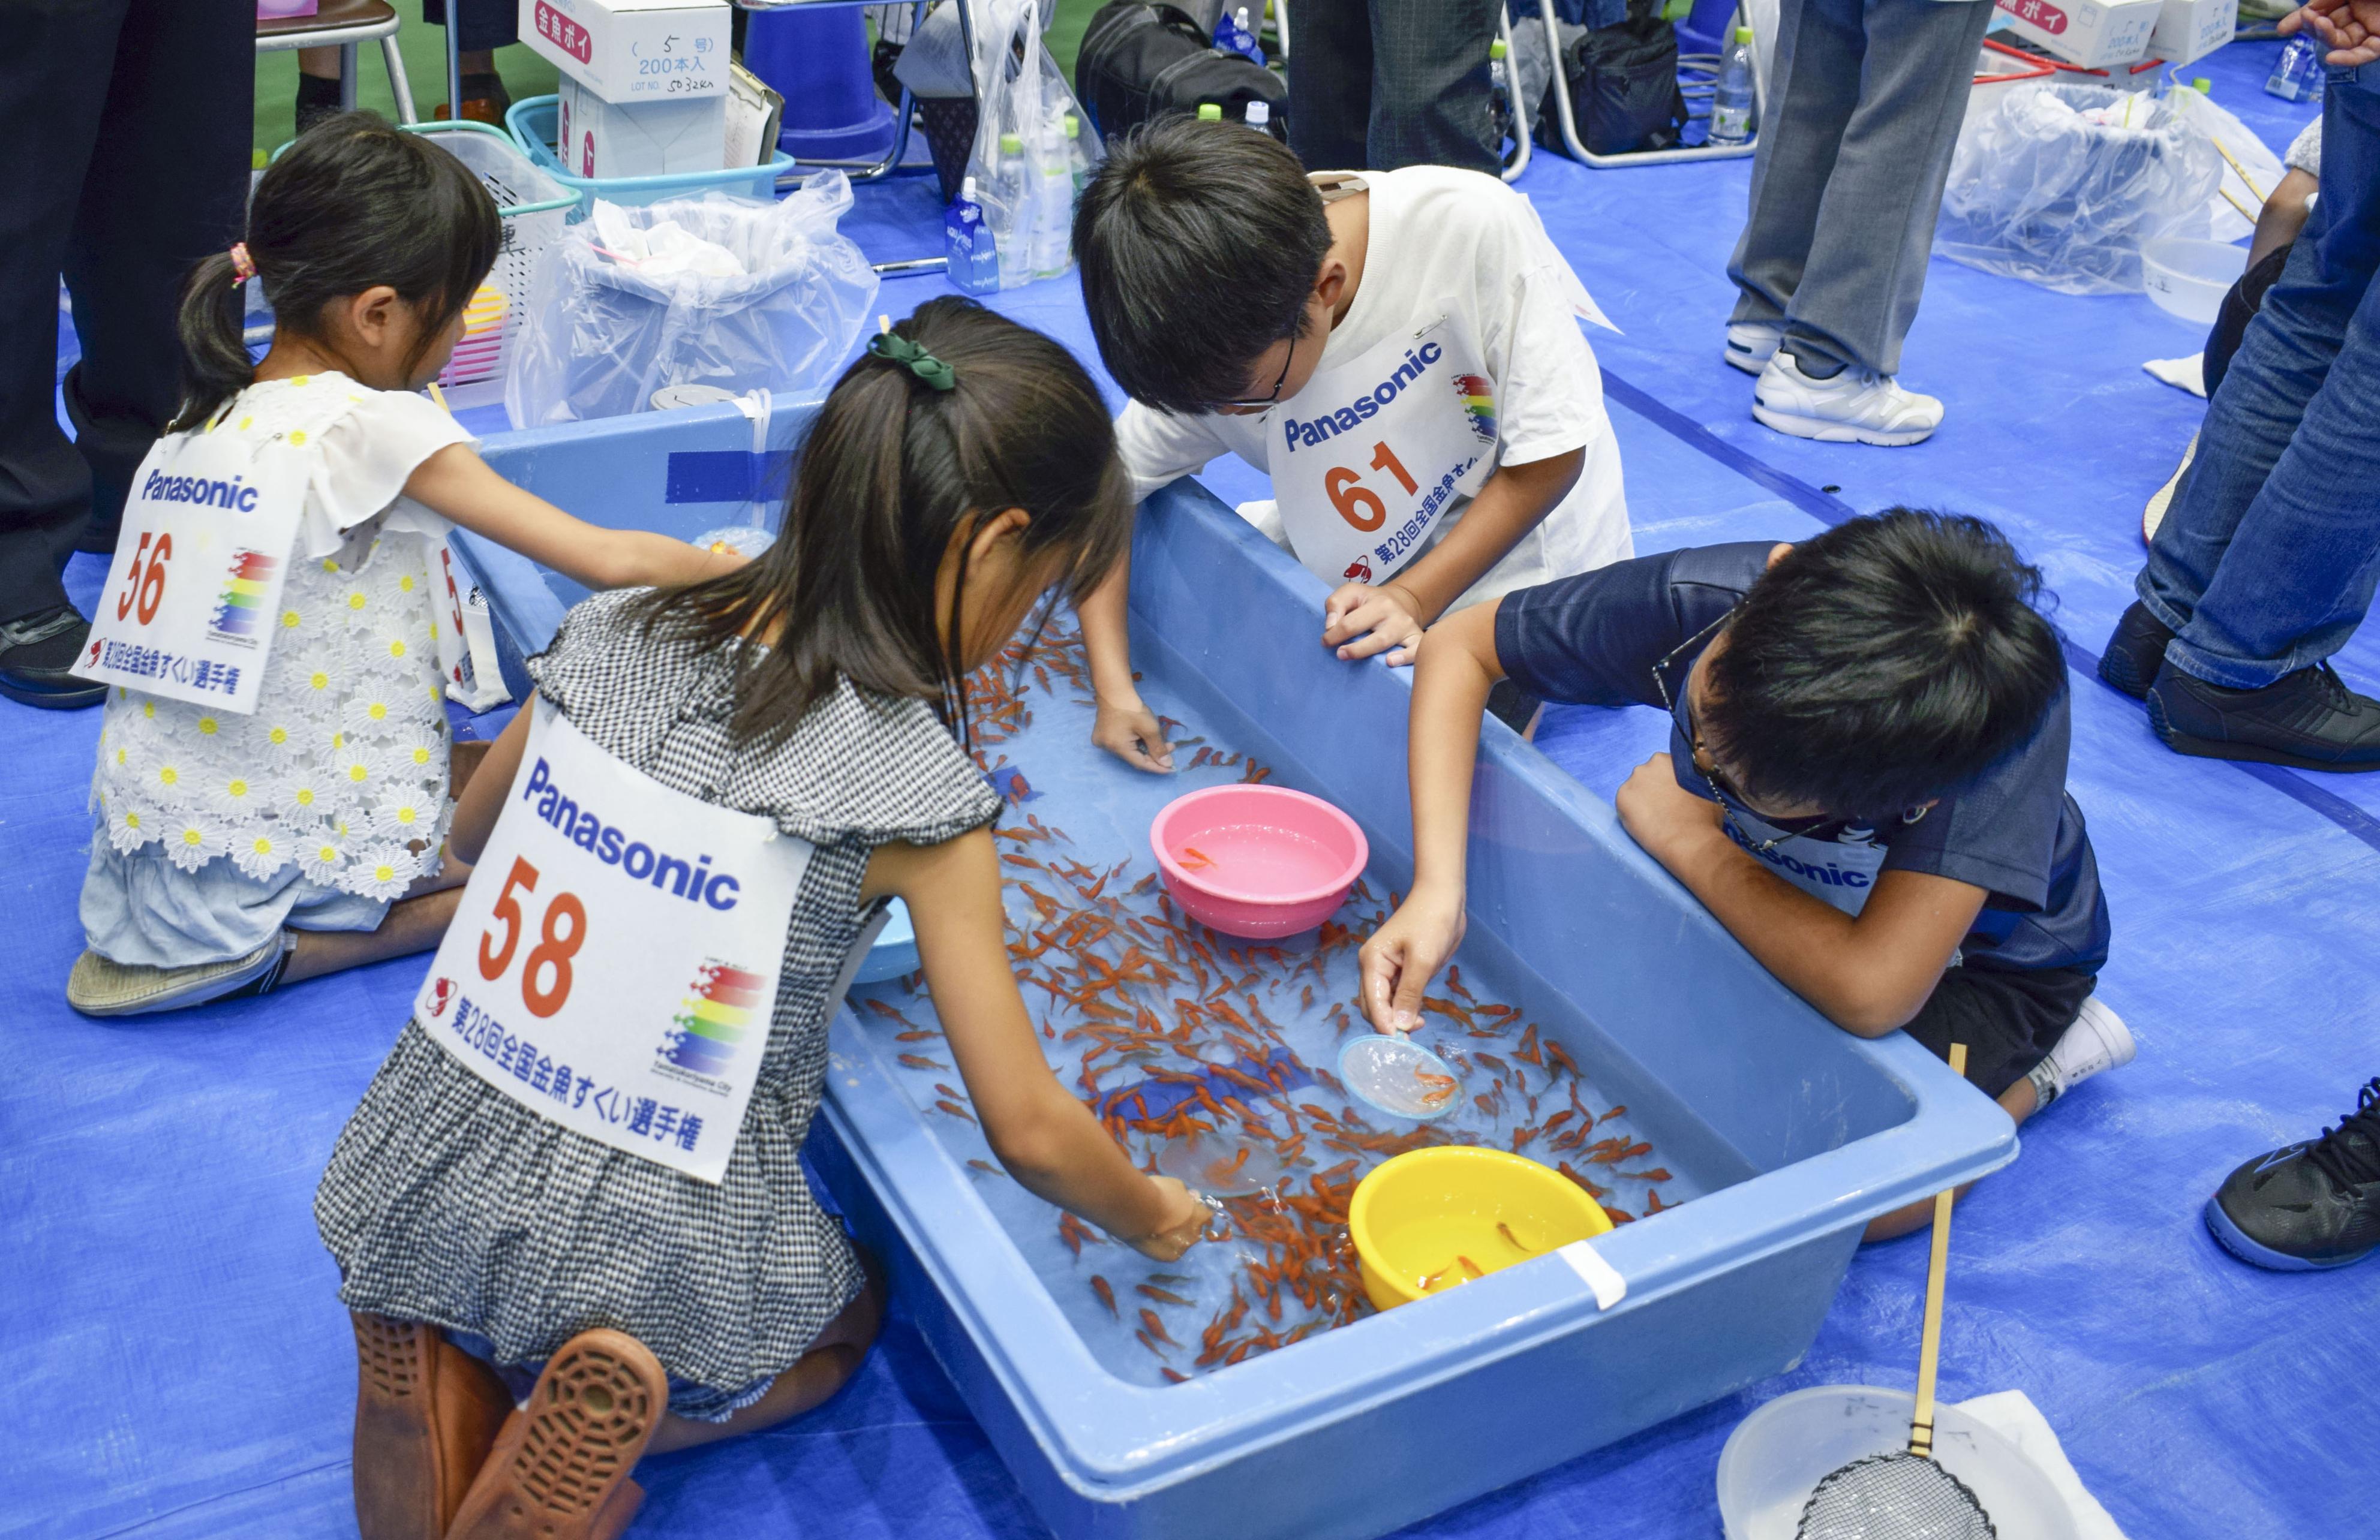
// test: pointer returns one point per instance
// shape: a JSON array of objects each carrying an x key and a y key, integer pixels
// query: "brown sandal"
[
  {"x": 559, "y": 1469},
  {"x": 427, "y": 1414}
]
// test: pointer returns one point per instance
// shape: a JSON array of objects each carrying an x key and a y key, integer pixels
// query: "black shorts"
[
  {"x": 1513, "y": 706},
  {"x": 2009, "y": 1019}
]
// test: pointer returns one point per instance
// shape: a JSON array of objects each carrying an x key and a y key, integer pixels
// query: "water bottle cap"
[
  {"x": 1260, "y": 113},
  {"x": 966, "y": 189},
  {"x": 1074, "y": 125},
  {"x": 1496, "y": 49},
  {"x": 1011, "y": 144},
  {"x": 1743, "y": 35},
  {"x": 1243, "y": 17},
  {"x": 2201, "y": 85},
  {"x": 1210, "y": 111}
]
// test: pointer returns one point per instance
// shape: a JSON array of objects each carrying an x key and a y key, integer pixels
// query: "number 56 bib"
[
  {"x": 613, "y": 965},
  {"x": 1368, "y": 457}
]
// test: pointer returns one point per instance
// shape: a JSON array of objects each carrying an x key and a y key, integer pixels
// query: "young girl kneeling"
[
  {"x": 653, "y": 1287},
  {"x": 256, "y": 840}
]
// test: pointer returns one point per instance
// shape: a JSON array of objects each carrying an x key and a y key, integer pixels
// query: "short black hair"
[
  {"x": 1199, "y": 243},
  {"x": 1883, "y": 663}
]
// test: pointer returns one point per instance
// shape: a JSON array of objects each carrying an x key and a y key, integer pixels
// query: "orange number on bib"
[
  {"x": 554, "y": 951},
  {"x": 493, "y": 964},
  {"x": 1385, "y": 458},
  {"x": 1348, "y": 493},
  {"x": 144, "y": 585}
]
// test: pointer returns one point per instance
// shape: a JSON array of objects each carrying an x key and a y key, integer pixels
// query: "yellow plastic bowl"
[{"x": 1432, "y": 1219}]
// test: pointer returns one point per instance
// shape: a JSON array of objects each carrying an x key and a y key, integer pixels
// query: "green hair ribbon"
[{"x": 923, "y": 365}]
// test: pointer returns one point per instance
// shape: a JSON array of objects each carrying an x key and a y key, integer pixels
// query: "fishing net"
[{"x": 1899, "y": 1496}]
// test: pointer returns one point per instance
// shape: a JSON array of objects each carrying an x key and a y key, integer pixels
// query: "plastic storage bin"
[
  {"x": 1804, "y": 1132},
  {"x": 535, "y": 121},
  {"x": 2189, "y": 278}
]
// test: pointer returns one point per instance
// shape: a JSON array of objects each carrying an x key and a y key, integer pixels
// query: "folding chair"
[
  {"x": 1568, "y": 119},
  {"x": 345, "y": 25}
]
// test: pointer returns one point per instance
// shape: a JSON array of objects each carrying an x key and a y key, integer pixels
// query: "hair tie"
[
  {"x": 243, "y": 268},
  {"x": 895, "y": 348}
]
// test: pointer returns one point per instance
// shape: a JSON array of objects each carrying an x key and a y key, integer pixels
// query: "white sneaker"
[
  {"x": 2097, "y": 1041},
  {"x": 1855, "y": 407},
  {"x": 1751, "y": 343}
]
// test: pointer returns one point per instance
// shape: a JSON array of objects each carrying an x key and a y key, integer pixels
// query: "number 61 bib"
[
  {"x": 613, "y": 965},
  {"x": 1368, "y": 457},
  {"x": 188, "y": 609}
]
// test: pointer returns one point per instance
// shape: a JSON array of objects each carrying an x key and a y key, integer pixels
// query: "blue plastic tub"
[
  {"x": 1791, "y": 1132},
  {"x": 535, "y": 121}
]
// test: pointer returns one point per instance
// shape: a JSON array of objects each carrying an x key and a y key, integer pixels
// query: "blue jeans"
[{"x": 2266, "y": 562}]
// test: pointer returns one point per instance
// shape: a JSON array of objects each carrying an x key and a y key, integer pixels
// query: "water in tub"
[{"x": 1210, "y": 1056}]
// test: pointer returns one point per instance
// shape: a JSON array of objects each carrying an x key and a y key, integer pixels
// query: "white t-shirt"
[{"x": 1460, "y": 241}]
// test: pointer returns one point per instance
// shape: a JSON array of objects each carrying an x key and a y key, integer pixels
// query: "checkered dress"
[{"x": 448, "y": 1202}]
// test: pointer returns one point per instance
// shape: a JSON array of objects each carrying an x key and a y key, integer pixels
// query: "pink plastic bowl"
[{"x": 1257, "y": 860}]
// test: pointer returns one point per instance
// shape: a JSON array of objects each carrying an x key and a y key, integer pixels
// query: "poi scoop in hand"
[
  {"x": 1905, "y": 1495},
  {"x": 1398, "y": 1076}
]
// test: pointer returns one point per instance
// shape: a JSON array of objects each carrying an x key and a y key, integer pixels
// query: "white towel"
[{"x": 2012, "y": 1415}]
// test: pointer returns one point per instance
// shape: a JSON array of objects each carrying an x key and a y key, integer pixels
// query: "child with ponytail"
[
  {"x": 642, "y": 1288},
  {"x": 251, "y": 833}
]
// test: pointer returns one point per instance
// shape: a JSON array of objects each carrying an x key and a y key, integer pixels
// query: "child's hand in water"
[
  {"x": 1405, "y": 953},
  {"x": 1187, "y": 1217},
  {"x": 1131, "y": 732},
  {"x": 1360, "y": 620}
]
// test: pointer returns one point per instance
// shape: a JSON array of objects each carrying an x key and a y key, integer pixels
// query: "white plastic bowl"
[
  {"x": 2189, "y": 278},
  {"x": 1777, "y": 1454}
]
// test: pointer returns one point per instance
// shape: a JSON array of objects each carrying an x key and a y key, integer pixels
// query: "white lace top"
[{"x": 343, "y": 767}]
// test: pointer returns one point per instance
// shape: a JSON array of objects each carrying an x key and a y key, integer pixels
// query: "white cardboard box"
[
  {"x": 639, "y": 139},
  {"x": 2188, "y": 30},
  {"x": 2096, "y": 35},
  {"x": 633, "y": 50}
]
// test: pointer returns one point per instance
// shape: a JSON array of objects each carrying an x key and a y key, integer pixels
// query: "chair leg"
[
  {"x": 397, "y": 83},
  {"x": 348, "y": 77}
]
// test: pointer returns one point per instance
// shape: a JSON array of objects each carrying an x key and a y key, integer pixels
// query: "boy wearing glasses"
[
  {"x": 1398, "y": 350},
  {"x": 1865, "y": 783}
]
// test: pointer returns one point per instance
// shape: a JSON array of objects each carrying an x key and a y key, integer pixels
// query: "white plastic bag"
[
  {"x": 1025, "y": 167},
  {"x": 2231, "y": 208},
  {"x": 714, "y": 290},
  {"x": 2060, "y": 186}
]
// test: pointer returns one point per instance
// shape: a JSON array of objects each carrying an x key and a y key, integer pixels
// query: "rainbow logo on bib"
[
  {"x": 713, "y": 1019},
  {"x": 1478, "y": 397},
  {"x": 239, "y": 608}
]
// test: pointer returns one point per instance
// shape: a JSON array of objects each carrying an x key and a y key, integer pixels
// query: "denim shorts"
[
  {"x": 143, "y": 911},
  {"x": 697, "y": 1403}
]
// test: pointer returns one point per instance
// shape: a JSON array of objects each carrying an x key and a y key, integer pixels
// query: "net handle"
[{"x": 1929, "y": 1353}]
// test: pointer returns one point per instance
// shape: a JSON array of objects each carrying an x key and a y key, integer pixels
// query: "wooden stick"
[
  {"x": 1929, "y": 1353},
  {"x": 2245, "y": 212},
  {"x": 2245, "y": 180}
]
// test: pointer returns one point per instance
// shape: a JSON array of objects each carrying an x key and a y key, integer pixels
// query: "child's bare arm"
[
  {"x": 1361, "y": 620},
  {"x": 458, "y": 484},
  {"x": 1047, "y": 1140},
  {"x": 1125, "y": 727},
  {"x": 1869, "y": 974},
  {"x": 483, "y": 798},
  {"x": 1458, "y": 667}
]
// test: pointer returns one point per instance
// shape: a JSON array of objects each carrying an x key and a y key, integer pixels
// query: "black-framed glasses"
[
  {"x": 1732, "y": 804},
  {"x": 1267, "y": 400}
]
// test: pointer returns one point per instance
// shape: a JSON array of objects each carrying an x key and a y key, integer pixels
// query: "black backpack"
[
  {"x": 1141, "y": 61},
  {"x": 1624, "y": 86}
]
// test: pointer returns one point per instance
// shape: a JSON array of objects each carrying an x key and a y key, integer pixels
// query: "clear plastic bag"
[
  {"x": 2060, "y": 185},
  {"x": 1027, "y": 167},
  {"x": 607, "y": 329}
]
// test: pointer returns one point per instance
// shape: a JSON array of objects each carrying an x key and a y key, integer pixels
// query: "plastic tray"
[{"x": 534, "y": 121}]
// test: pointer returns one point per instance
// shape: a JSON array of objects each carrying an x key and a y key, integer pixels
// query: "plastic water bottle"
[
  {"x": 1053, "y": 204},
  {"x": 1258, "y": 116},
  {"x": 2297, "y": 74},
  {"x": 1500, "y": 95},
  {"x": 1012, "y": 191},
  {"x": 974, "y": 262},
  {"x": 1078, "y": 160},
  {"x": 1730, "y": 121},
  {"x": 1233, "y": 36}
]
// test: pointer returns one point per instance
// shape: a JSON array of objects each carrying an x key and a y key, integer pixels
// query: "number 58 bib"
[
  {"x": 613, "y": 965},
  {"x": 1369, "y": 456}
]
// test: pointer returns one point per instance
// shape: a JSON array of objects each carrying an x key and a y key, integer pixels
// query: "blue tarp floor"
[{"x": 180, "y": 1366}]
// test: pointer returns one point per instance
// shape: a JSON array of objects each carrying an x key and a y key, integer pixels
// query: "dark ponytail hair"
[
  {"x": 354, "y": 203},
  {"x": 891, "y": 470}
]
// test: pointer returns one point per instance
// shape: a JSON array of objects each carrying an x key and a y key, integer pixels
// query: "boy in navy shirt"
[{"x": 1865, "y": 783}]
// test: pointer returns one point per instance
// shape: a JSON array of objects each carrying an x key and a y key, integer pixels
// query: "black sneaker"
[
  {"x": 2307, "y": 1207},
  {"x": 35, "y": 653},
  {"x": 2136, "y": 651},
  {"x": 2309, "y": 719}
]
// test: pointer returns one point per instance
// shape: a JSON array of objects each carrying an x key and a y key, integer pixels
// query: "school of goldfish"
[{"x": 1168, "y": 1030}]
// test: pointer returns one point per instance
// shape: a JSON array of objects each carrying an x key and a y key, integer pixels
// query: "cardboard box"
[
  {"x": 633, "y": 50},
  {"x": 639, "y": 139},
  {"x": 2188, "y": 30},
  {"x": 2096, "y": 34}
]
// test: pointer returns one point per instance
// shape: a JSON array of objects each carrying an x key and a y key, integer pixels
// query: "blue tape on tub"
[
  {"x": 1831, "y": 511},
  {"x": 725, "y": 476}
]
